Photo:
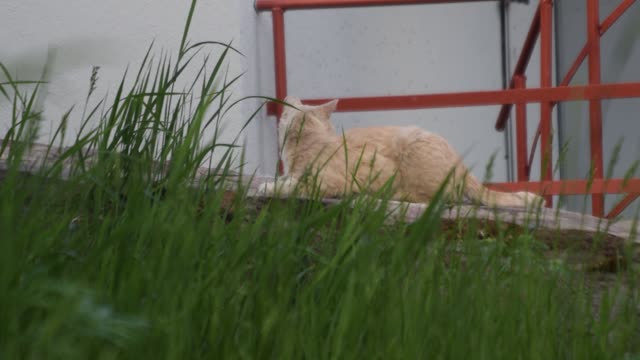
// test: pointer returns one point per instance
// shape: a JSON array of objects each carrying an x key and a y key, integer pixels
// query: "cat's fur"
[{"x": 415, "y": 162}]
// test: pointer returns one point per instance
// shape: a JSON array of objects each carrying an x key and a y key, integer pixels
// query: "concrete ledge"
[{"x": 38, "y": 157}]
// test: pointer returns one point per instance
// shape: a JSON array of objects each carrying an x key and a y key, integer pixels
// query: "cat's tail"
[{"x": 477, "y": 192}]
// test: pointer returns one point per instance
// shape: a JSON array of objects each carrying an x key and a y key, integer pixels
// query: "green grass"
[{"x": 123, "y": 260}]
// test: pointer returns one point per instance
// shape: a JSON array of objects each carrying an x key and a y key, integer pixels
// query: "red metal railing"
[
  {"x": 325, "y": 4},
  {"x": 547, "y": 95}
]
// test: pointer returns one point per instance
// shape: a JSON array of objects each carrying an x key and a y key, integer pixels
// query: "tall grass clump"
[{"x": 120, "y": 248}]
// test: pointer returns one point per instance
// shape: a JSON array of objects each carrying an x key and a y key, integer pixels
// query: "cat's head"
[{"x": 299, "y": 117}]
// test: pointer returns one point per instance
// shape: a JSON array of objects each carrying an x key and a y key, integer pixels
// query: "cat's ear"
[
  {"x": 329, "y": 107},
  {"x": 292, "y": 100}
]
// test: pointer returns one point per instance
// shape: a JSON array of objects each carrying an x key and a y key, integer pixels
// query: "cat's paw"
[
  {"x": 282, "y": 187},
  {"x": 267, "y": 189}
]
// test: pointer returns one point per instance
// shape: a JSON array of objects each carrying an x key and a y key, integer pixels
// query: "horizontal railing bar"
[
  {"x": 263, "y": 5},
  {"x": 572, "y": 187},
  {"x": 482, "y": 98}
]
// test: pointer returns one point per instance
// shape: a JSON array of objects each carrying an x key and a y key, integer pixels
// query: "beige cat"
[{"x": 414, "y": 161}]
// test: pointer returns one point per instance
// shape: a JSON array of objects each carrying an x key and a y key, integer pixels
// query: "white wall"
[
  {"x": 114, "y": 35},
  {"x": 330, "y": 53}
]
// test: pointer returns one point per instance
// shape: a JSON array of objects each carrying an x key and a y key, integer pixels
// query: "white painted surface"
[
  {"x": 115, "y": 35},
  {"x": 331, "y": 53}
]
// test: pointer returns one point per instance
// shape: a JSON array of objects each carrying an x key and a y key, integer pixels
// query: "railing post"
[
  {"x": 546, "y": 29},
  {"x": 595, "y": 106},
  {"x": 519, "y": 82},
  {"x": 280, "y": 55}
]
